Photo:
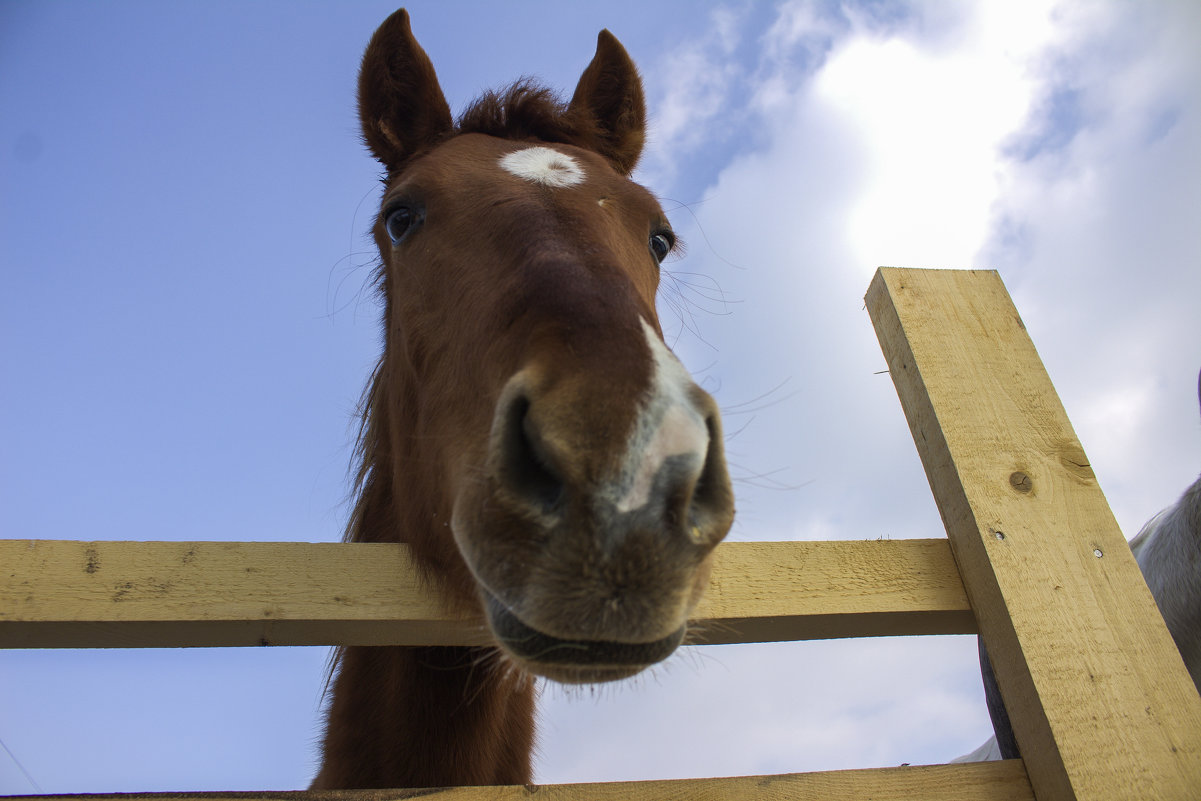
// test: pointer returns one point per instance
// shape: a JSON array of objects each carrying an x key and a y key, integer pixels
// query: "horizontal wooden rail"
[
  {"x": 981, "y": 781},
  {"x": 69, "y": 594}
]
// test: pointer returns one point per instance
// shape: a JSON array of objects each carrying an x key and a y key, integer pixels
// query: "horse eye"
[
  {"x": 661, "y": 245},
  {"x": 398, "y": 222}
]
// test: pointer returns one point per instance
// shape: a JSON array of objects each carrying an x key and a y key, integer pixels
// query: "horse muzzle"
[{"x": 591, "y": 557}]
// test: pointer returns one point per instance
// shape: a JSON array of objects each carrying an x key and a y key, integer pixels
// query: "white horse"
[{"x": 1168, "y": 550}]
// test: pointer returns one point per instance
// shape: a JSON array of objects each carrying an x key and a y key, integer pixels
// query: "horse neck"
[
  {"x": 401, "y": 495},
  {"x": 419, "y": 716},
  {"x": 427, "y": 717}
]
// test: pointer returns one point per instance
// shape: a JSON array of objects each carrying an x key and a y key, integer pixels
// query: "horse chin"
[
  {"x": 574, "y": 661},
  {"x": 580, "y": 676}
]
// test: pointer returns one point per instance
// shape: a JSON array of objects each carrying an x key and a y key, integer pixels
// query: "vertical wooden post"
[{"x": 1101, "y": 703}]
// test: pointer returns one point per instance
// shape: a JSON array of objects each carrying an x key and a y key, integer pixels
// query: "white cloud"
[
  {"x": 1096, "y": 232},
  {"x": 693, "y": 84},
  {"x": 929, "y": 126},
  {"x": 1058, "y": 142}
]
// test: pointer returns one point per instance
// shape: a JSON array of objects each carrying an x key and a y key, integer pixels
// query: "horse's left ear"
[
  {"x": 401, "y": 106},
  {"x": 608, "y": 99}
]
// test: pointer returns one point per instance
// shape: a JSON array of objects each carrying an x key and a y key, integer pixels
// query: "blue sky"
[{"x": 185, "y": 324}]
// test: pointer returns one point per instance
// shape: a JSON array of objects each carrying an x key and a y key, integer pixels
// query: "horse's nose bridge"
[
  {"x": 675, "y": 469},
  {"x": 667, "y": 450}
]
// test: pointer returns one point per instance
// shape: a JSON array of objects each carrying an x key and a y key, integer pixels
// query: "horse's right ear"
[
  {"x": 609, "y": 101},
  {"x": 401, "y": 106}
]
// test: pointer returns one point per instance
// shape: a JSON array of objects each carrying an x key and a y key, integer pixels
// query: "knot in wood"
[{"x": 1020, "y": 481}]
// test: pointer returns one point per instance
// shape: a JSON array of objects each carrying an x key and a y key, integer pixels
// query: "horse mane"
[
  {"x": 369, "y": 490},
  {"x": 526, "y": 110}
]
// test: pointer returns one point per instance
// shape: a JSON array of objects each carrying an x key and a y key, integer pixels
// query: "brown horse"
[{"x": 527, "y": 432}]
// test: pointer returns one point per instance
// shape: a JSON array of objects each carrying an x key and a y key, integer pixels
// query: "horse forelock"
[{"x": 523, "y": 111}]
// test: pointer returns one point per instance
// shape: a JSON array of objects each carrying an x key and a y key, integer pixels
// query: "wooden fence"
[{"x": 1101, "y": 703}]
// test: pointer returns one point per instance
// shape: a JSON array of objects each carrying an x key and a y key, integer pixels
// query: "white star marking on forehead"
[{"x": 545, "y": 166}]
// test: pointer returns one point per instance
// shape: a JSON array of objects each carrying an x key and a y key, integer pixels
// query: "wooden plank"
[
  {"x": 61, "y": 593},
  {"x": 983, "y": 781},
  {"x": 68, "y": 594},
  {"x": 1101, "y": 703},
  {"x": 777, "y": 591}
]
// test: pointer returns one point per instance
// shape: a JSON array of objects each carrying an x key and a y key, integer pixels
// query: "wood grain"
[
  {"x": 68, "y": 594},
  {"x": 984, "y": 781},
  {"x": 1101, "y": 703}
]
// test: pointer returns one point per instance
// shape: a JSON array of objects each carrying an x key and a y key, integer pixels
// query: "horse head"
[{"x": 549, "y": 460}]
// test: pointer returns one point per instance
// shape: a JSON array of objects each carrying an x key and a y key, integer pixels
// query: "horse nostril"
[
  {"x": 526, "y": 467},
  {"x": 711, "y": 507}
]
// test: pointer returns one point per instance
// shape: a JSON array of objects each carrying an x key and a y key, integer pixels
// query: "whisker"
[
  {"x": 732, "y": 435},
  {"x": 688, "y": 208},
  {"x": 740, "y": 407},
  {"x": 764, "y": 480},
  {"x": 29, "y": 778}
]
